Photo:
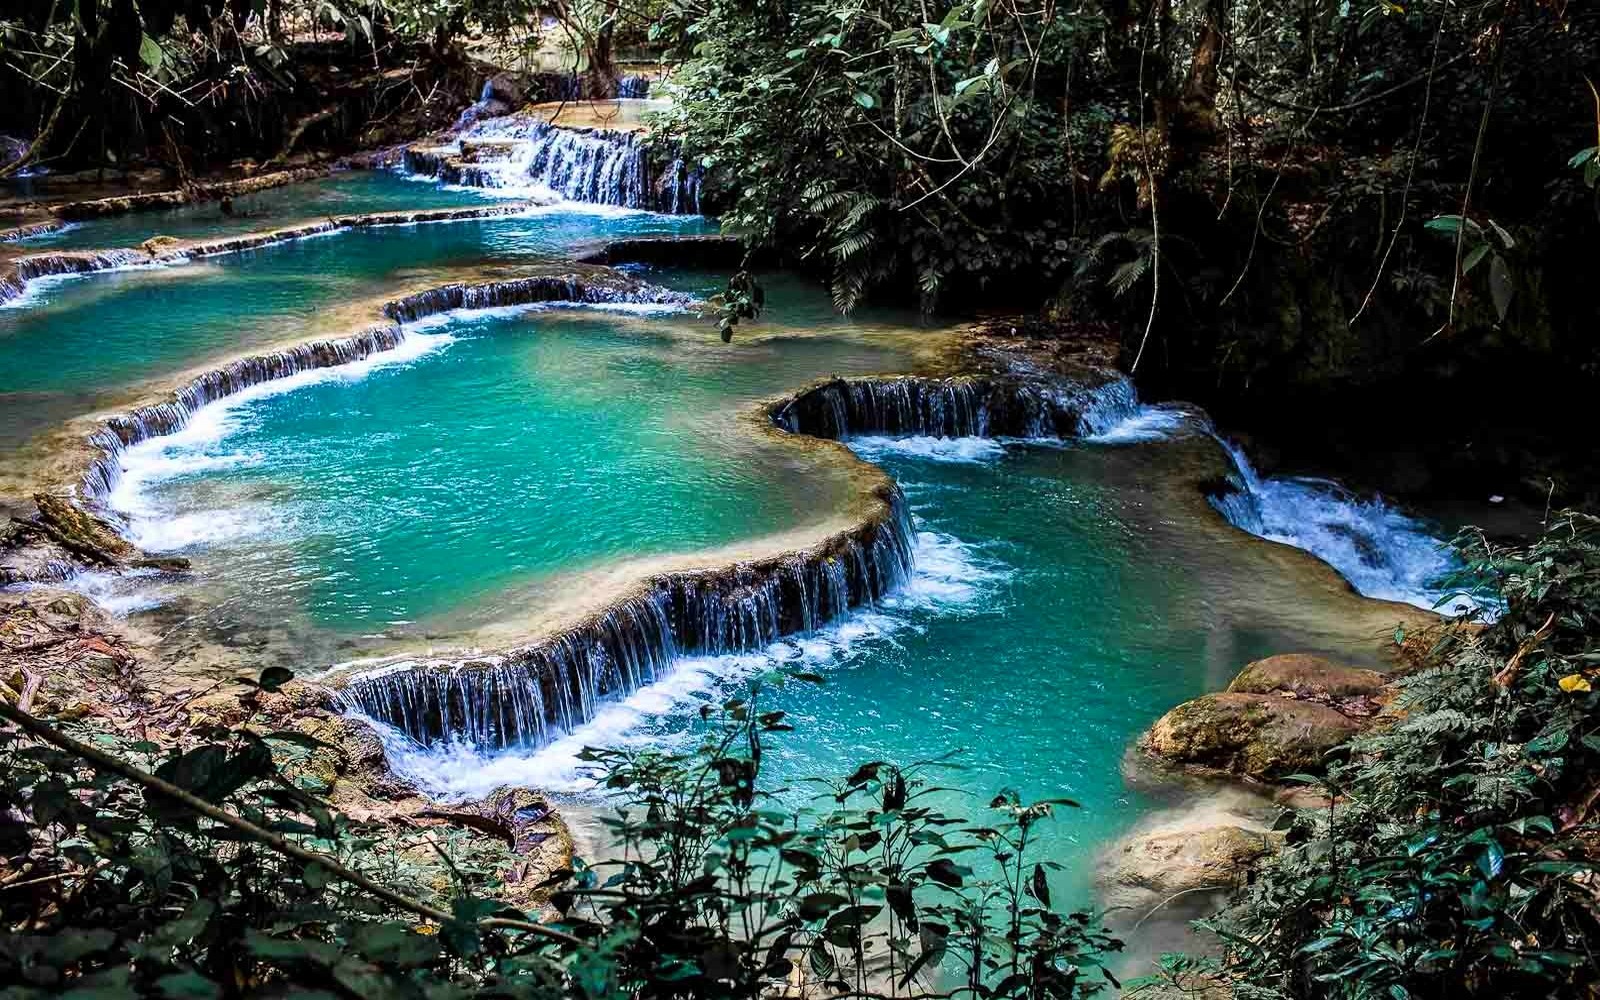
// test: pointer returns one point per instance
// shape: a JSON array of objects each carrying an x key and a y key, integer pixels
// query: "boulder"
[
  {"x": 1260, "y": 737},
  {"x": 1167, "y": 862},
  {"x": 1305, "y": 676}
]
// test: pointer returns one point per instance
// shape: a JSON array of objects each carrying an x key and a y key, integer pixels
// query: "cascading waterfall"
[
  {"x": 172, "y": 415},
  {"x": 1383, "y": 552},
  {"x": 529, "y": 695},
  {"x": 16, "y": 275},
  {"x": 598, "y": 166},
  {"x": 936, "y": 407}
]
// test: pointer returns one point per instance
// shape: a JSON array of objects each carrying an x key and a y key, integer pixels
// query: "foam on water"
[
  {"x": 200, "y": 447},
  {"x": 967, "y": 450},
  {"x": 1145, "y": 423},
  {"x": 1383, "y": 552},
  {"x": 950, "y": 575},
  {"x": 38, "y": 288},
  {"x": 118, "y": 594}
]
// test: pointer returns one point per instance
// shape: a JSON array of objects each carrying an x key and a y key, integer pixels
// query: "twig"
[
  {"x": 1506, "y": 677},
  {"x": 1411, "y": 170}
]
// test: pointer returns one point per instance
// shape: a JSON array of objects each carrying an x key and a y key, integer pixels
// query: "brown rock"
[
  {"x": 81, "y": 532},
  {"x": 1166, "y": 862},
  {"x": 1255, "y": 736},
  {"x": 1306, "y": 676}
]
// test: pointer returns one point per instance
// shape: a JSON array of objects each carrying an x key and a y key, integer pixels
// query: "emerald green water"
[
  {"x": 504, "y": 464},
  {"x": 452, "y": 486},
  {"x": 353, "y": 193},
  {"x": 82, "y": 343},
  {"x": 1065, "y": 598}
]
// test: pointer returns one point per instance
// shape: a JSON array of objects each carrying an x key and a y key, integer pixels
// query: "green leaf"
[
  {"x": 865, "y": 99},
  {"x": 150, "y": 53},
  {"x": 1472, "y": 259},
  {"x": 396, "y": 945},
  {"x": 820, "y": 904}
]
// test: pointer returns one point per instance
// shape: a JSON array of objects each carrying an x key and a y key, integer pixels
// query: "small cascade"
[
  {"x": 530, "y": 695},
  {"x": 593, "y": 165},
  {"x": 530, "y": 290},
  {"x": 1383, "y": 552},
  {"x": 633, "y": 87},
  {"x": 933, "y": 407},
  {"x": 1106, "y": 406},
  {"x": 15, "y": 276},
  {"x": 168, "y": 417}
]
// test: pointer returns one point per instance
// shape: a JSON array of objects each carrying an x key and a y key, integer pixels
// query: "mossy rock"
[
  {"x": 1254, "y": 736},
  {"x": 1307, "y": 676},
  {"x": 82, "y": 532}
]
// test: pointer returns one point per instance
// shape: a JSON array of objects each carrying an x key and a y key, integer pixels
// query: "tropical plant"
[
  {"x": 1456, "y": 854},
  {"x": 207, "y": 872}
]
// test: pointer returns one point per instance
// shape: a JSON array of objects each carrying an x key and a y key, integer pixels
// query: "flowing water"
[
  {"x": 80, "y": 343},
  {"x": 1058, "y": 596},
  {"x": 352, "y": 193}
]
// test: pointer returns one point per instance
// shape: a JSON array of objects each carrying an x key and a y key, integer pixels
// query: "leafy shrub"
[
  {"x": 213, "y": 875},
  {"x": 1456, "y": 856}
]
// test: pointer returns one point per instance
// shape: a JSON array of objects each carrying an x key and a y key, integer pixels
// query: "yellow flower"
[{"x": 1574, "y": 682}]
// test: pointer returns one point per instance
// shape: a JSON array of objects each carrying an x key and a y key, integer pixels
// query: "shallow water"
[
  {"x": 1064, "y": 597},
  {"x": 425, "y": 496},
  {"x": 352, "y": 193},
  {"x": 80, "y": 343}
]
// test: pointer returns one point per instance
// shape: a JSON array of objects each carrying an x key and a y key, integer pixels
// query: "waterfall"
[
  {"x": 633, "y": 87},
  {"x": 171, "y": 415},
  {"x": 598, "y": 166},
  {"x": 936, "y": 407},
  {"x": 16, "y": 274},
  {"x": 529, "y": 695},
  {"x": 1382, "y": 551},
  {"x": 18, "y": 233},
  {"x": 523, "y": 291}
]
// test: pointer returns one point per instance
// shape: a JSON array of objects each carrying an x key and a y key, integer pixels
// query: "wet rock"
[
  {"x": 82, "y": 532},
  {"x": 1305, "y": 676},
  {"x": 158, "y": 244},
  {"x": 1253, "y": 736}
]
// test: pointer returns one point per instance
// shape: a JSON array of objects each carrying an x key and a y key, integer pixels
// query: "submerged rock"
[
  {"x": 1306, "y": 676},
  {"x": 1259, "y": 737}
]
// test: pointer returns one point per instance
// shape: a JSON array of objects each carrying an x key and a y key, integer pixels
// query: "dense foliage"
[
  {"x": 232, "y": 880},
  {"x": 1457, "y": 856},
  {"x": 1260, "y": 196}
]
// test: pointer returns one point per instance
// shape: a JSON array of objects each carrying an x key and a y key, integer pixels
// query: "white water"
[
  {"x": 201, "y": 446},
  {"x": 962, "y": 450},
  {"x": 949, "y": 575},
  {"x": 1382, "y": 551}
]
